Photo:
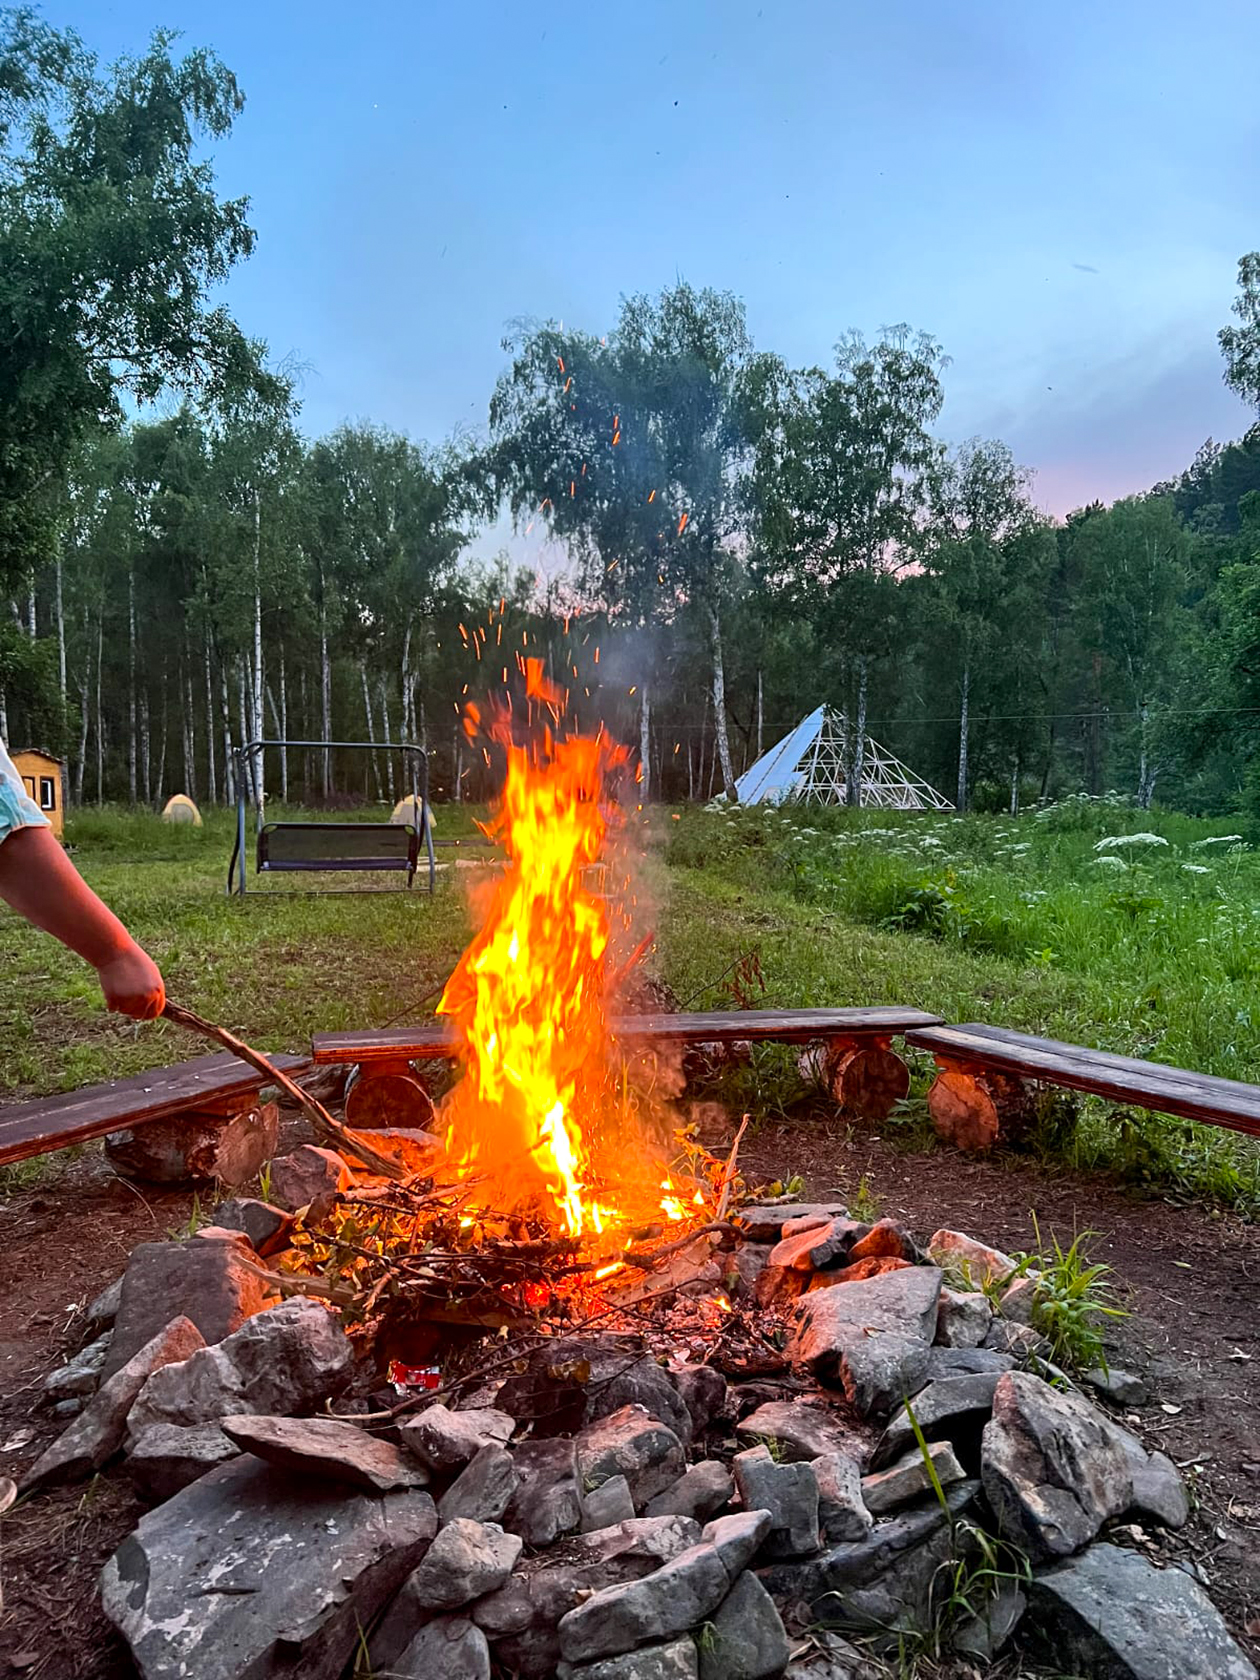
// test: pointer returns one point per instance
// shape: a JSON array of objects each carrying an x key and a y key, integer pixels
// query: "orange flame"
[{"x": 527, "y": 997}]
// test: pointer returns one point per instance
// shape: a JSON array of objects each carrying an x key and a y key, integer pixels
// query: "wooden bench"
[
  {"x": 219, "y": 1084},
  {"x": 981, "y": 1070},
  {"x": 858, "y": 1064}
]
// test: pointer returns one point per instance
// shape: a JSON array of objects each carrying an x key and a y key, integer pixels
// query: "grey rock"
[
  {"x": 81, "y": 1376},
  {"x": 814, "y": 1247},
  {"x": 71, "y": 1407},
  {"x": 1112, "y": 1615},
  {"x": 954, "y": 1409},
  {"x": 884, "y": 1582},
  {"x": 206, "y": 1282},
  {"x": 327, "y": 1449},
  {"x": 548, "y": 1501},
  {"x": 1021, "y": 1341},
  {"x": 522, "y": 1617},
  {"x": 1054, "y": 1469},
  {"x": 975, "y": 1263},
  {"x": 251, "y": 1572},
  {"x": 608, "y": 1504},
  {"x": 886, "y": 1239},
  {"x": 833, "y": 1658},
  {"x": 1018, "y": 1301},
  {"x": 873, "y": 1335},
  {"x": 908, "y": 1478},
  {"x": 789, "y": 1492},
  {"x": 466, "y": 1561},
  {"x": 675, "y": 1661},
  {"x": 802, "y": 1431},
  {"x": 484, "y": 1490},
  {"x": 629, "y": 1443},
  {"x": 679, "y": 1595},
  {"x": 165, "y": 1458},
  {"x": 286, "y": 1360},
  {"x": 765, "y": 1222},
  {"x": 703, "y": 1392},
  {"x": 98, "y": 1432},
  {"x": 746, "y": 1640},
  {"x": 969, "y": 1362},
  {"x": 700, "y": 1492},
  {"x": 1121, "y": 1387},
  {"x": 563, "y": 1380},
  {"x": 448, "y": 1648},
  {"x": 266, "y": 1227},
  {"x": 984, "y": 1634},
  {"x": 102, "y": 1312},
  {"x": 649, "y": 1385},
  {"x": 446, "y": 1441},
  {"x": 297, "y": 1179},
  {"x": 743, "y": 1268},
  {"x": 738, "y": 1537},
  {"x": 1158, "y": 1490},
  {"x": 842, "y": 1514},
  {"x": 964, "y": 1318}
]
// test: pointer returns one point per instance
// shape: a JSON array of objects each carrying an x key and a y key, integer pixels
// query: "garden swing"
[{"x": 334, "y": 847}]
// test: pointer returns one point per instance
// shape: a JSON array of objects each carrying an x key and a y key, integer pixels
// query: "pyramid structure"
[{"x": 810, "y": 766}]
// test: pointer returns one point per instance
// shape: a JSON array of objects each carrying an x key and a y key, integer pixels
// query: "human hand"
[{"x": 132, "y": 984}]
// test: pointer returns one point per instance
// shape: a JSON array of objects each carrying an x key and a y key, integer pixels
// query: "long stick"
[
  {"x": 319, "y": 1117},
  {"x": 728, "y": 1177}
]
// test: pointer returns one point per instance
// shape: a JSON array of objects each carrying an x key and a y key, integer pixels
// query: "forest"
[{"x": 731, "y": 540}]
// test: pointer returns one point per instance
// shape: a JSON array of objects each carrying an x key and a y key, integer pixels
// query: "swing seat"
[{"x": 328, "y": 847}]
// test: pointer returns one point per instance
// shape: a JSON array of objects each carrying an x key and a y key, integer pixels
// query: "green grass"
[
  {"x": 275, "y": 969},
  {"x": 1012, "y": 921}
]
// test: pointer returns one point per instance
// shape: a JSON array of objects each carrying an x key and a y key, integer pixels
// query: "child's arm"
[{"x": 40, "y": 882}]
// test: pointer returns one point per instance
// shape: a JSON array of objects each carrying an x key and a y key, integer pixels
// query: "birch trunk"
[
  {"x": 386, "y": 737},
  {"x": 325, "y": 691},
  {"x": 457, "y": 753},
  {"x": 100, "y": 726},
  {"x": 408, "y": 724},
  {"x": 1015, "y": 787},
  {"x": 131, "y": 684},
  {"x": 371, "y": 729},
  {"x": 284, "y": 730},
  {"x": 256, "y": 665},
  {"x": 59, "y": 603},
  {"x": 1146, "y": 771},
  {"x": 210, "y": 731},
  {"x": 645, "y": 745},
  {"x": 857, "y": 771},
  {"x": 161, "y": 763},
  {"x": 229, "y": 763},
  {"x": 4, "y": 718},
  {"x": 719, "y": 708},
  {"x": 144, "y": 749},
  {"x": 85, "y": 713},
  {"x": 760, "y": 712},
  {"x": 190, "y": 737},
  {"x": 32, "y": 625},
  {"x": 964, "y": 717}
]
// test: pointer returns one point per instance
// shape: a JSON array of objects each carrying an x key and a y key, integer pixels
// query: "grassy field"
[{"x": 1087, "y": 921}]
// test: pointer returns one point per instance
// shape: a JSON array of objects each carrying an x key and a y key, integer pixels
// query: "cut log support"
[
  {"x": 384, "y": 1095},
  {"x": 864, "y": 1076},
  {"x": 974, "y": 1107},
  {"x": 230, "y": 1141}
]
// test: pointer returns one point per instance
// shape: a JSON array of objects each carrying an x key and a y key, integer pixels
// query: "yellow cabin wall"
[{"x": 36, "y": 769}]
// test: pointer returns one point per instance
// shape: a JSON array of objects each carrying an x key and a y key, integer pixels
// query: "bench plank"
[
  {"x": 1152, "y": 1085},
  {"x": 34, "y": 1128},
  {"x": 790, "y": 1026}
]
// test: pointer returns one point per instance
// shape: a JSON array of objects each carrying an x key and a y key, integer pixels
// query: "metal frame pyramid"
[{"x": 810, "y": 766}]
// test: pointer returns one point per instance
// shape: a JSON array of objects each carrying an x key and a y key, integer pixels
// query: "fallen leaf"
[
  {"x": 1166, "y": 1406},
  {"x": 24, "y": 1659},
  {"x": 1240, "y": 1355},
  {"x": 1184, "y": 1264},
  {"x": 22, "y": 1438},
  {"x": 1251, "y": 1627}
]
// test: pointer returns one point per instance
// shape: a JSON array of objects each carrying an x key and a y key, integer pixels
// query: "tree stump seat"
[{"x": 983, "y": 1073}]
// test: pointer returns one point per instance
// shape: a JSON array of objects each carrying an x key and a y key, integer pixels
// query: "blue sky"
[{"x": 1058, "y": 191}]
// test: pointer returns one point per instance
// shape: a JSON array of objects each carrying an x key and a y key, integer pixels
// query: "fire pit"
[{"x": 561, "y": 1395}]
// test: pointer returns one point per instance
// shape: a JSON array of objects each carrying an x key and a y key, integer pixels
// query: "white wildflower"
[
  {"x": 1217, "y": 840},
  {"x": 1111, "y": 861},
  {"x": 1112, "y": 841},
  {"x": 1195, "y": 869}
]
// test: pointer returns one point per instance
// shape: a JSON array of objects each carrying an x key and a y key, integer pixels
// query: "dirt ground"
[{"x": 1192, "y": 1284}]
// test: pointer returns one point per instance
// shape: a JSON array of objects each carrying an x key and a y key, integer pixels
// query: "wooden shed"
[{"x": 44, "y": 778}]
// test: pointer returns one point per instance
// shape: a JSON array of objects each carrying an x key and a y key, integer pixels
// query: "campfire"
[{"x": 554, "y": 1188}]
